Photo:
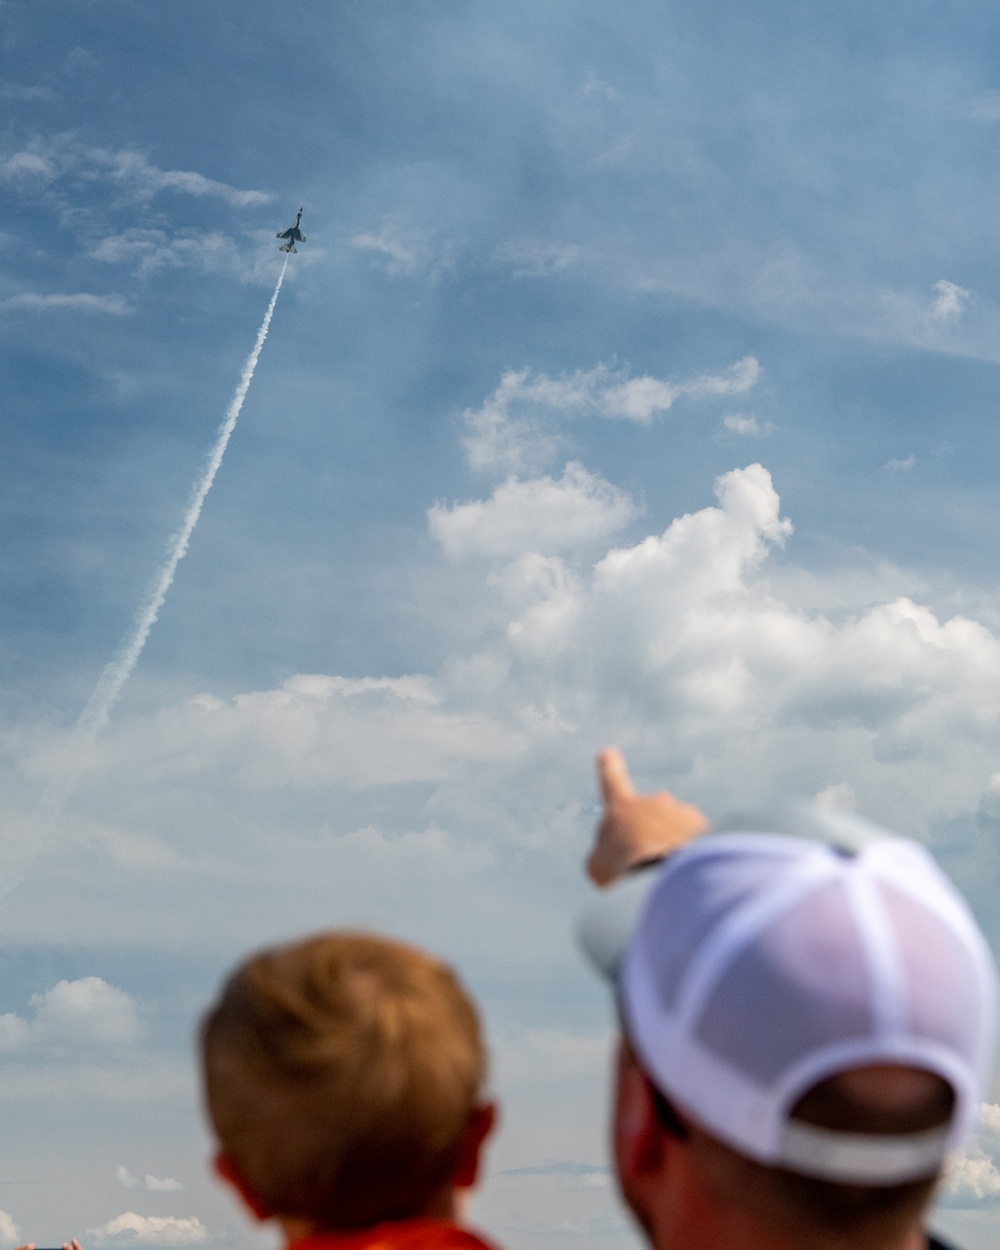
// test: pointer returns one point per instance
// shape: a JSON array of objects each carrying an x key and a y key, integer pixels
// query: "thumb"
[{"x": 612, "y": 774}]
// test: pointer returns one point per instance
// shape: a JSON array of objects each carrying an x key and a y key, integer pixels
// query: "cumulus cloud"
[
  {"x": 901, "y": 465},
  {"x": 543, "y": 515},
  {"x": 949, "y": 301},
  {"x": 31, "y": 301},
  {"x": 9, "y": 1235},
  {"x": 972, "y": 1179},
  {"x": 84, "y": 1013},
  {"x": 690, "y": 648},
  {"x": 509, "y": 430},
  {"x": 131, "y": 1229},
  {"x": 677, "y": 646}
]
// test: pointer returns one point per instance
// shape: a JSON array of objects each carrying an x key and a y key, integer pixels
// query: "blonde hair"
[{"x": 340, "y": 1072}]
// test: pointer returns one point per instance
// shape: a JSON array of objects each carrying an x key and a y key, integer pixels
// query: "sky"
[{"x": 637, "y": 383}]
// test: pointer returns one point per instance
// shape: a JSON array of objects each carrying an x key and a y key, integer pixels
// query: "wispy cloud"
[
  {"x": 66, "y": 158},
  {"x": 32, "y": 301},
  {"x": 598, "y": 87},
  {"x": 22, "y": 91},
  {"x": 902, "y": 465},
  {"x": 405, "y": 250},
  {"x": 985, "y": 107},
  {"x": 512, "y": 428},
  {"x": 155, "y": 1184},
  {"x": 536, "y": 258},
  {"x": 746, "y": 423}
]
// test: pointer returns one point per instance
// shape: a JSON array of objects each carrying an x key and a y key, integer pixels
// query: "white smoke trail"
[{"x": 112, "y": 681}]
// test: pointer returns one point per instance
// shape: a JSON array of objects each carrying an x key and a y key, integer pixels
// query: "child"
[{"x": 343, "y": 1077}]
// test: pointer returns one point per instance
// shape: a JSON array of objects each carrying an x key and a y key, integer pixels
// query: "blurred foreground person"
[
  {"x": 808, "y": 1027},
  {"x": 343, "y": 1076}
]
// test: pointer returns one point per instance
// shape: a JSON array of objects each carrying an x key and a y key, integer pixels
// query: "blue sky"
[{"x": 638, "y": 382}]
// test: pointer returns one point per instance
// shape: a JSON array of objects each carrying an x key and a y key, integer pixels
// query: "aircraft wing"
[{"x": 302, "y": 237}]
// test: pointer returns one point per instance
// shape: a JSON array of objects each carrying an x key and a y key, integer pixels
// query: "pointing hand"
[{"x": 635, "y": 826}]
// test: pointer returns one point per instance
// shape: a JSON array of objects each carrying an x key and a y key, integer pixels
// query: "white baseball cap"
[{"x": 752, "y": 966}]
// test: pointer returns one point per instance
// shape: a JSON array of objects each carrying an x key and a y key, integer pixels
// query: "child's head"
[{"x": 342, "y": 1074}]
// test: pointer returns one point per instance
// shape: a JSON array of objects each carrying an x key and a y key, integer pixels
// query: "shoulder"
[{"x": 432, "y": 1235}]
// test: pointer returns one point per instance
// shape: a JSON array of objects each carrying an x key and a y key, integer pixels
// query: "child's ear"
[
  {"x": 227, "y": 1171},
  {"x": 481, "y": 1122}
]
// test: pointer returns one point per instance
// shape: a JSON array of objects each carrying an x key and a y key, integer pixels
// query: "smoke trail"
[{"x": 108, "y": 690}]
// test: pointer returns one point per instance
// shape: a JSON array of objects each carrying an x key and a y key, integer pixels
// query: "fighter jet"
[{"x": 291, "y": 236}]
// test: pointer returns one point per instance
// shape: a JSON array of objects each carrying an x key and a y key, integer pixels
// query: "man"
[{"x": 807, "y": 1029}]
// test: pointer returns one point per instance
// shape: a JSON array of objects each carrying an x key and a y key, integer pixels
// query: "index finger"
[{"x": 612, "y": 774}]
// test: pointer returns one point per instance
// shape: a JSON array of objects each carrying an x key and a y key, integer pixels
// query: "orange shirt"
[{"x": 416, "y": 1234}]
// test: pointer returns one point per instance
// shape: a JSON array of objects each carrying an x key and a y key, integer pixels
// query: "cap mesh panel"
[
  {"x": 765, "y": 1011},
  {"x": 941, "y": 988},
  {"x": 690, "y": 903}
]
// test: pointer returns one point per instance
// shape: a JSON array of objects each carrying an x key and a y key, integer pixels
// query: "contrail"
[{"x": 112, "y": 681}]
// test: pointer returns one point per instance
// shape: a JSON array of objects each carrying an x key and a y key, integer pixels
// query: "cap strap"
[{"x": 862, "y": 1158}]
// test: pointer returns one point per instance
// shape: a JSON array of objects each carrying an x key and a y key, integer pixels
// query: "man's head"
[
  {"x": 343, "y": 1076},
  {"x": 808, "y": 1034}
]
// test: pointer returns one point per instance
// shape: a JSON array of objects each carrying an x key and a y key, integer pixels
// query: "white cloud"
[
  {"x": 31, "y": 301},
  {"x": 162, "y": 1184},
  {"x": 9, "y": 1234},
  {"x": 73, "y": 1014},
  {"x": 26, "y": 165},
  {"x": 65, "y": 157},
  {"x": 150, "y": 250},
  {"x": 406, "y": 250},
  {"x": 131, "y": 1229},
  {"x": 838, "y": 797},
  {"x": 949, "y": 302},
  {"x": 971, "y": 1178},
  {"x": 746, "y": 423},
  {"x": 901, "y": 465},
  {"x": 985, "y": 107},
  {"x": 686, "y": 647},
  {"x": 598, "y": 87},
  {"x": 542, "y": 515},
  {"x": 154, "y": 1184},
  {"x": 509, "y": 430},
  {"x": 640, "y": 399},
  {"x": 22, "y": 91},
  {"x": 534, "y": 258}
]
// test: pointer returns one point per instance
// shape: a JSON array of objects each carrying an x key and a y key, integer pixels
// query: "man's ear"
[
  {"x": 638, "y": 1134},
  {"x": 227, "y": 1171},
  {"x": 481, "y": 1122}
]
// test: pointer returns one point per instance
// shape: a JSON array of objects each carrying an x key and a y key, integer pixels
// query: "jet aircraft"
[{"x": 291, "y": 236}]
